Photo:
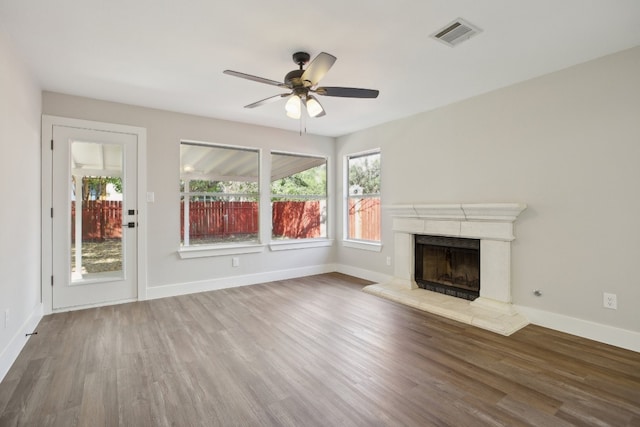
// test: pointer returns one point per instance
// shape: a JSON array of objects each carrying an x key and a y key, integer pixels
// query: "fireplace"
[
  {"x": 491, "y": 226},
  {"x": 448, "y": 265}
]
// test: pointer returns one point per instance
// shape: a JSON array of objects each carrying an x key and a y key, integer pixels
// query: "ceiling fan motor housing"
[{"x": 293, "y": 80}]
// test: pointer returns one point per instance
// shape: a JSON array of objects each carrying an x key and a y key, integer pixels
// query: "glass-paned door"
[{"x": 94, "y": 221}]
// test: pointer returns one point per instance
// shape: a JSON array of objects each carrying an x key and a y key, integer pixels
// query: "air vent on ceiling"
[{"x": 456, "y": 32}]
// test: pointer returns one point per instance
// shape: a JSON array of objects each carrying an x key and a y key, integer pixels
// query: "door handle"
[{"x": 129, "y": 225}]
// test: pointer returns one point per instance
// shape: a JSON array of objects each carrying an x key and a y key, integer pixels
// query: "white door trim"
[{"x": 47, "y": 243}]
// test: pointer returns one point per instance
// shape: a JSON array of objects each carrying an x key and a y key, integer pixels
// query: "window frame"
[
  {"x": 276, "y": 244},
  {"x": 364, "y": 244},
  {"x": 224, "y": 248}
]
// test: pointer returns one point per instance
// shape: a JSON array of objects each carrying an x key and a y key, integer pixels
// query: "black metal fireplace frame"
[{"x": 420, "y": 241}]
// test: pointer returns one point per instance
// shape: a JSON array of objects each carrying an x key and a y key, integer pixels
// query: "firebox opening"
[{"x": 448, "y": 265}]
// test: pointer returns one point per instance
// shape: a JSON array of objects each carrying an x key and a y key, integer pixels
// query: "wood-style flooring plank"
[{"x": 314, "y": 351}]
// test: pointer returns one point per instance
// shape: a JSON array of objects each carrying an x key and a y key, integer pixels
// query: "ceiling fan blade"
[
  {"x": 347, "y": 92},
  {"x": 254, "y": 78},
  {"x": 318, "y": 68},
  {"x": 267, "y": 100}
]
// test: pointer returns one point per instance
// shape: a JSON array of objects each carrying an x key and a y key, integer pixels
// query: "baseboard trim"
[
  {"x": 19, "y": 340},
  {"x": 361, "y": 273},
  {"x": 612, "y": 335},
  {"x": 176, "y": 289}
]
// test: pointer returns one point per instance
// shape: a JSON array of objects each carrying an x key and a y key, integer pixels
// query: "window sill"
[
  {"x": 286, "y": 245},
  {"x": 221, "y": 250},
  {"x": 365, "y": 246}
]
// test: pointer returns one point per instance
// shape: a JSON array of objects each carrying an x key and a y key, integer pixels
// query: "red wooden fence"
[
  {"x": 364, "y": 218},
  {"x": 101, "y": 219},
  {"x": 296, "y": 219},
  {"x": 293, "y": 219},
  {"x": 208, "y": 219}
]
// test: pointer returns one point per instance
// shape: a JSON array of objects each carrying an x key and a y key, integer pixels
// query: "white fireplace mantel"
[
  {"x": 492, "y": 224},
  {"x": 492, "y": 221},
  {"x": 496, "y": 212}
]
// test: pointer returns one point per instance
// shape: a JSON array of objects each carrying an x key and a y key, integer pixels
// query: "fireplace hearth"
[{"x": 448, "y": 265}]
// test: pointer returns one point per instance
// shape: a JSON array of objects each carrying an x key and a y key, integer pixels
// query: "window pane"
[
  {"x": 364, "y": 174},
  {"x": 298, "y": 196},
  {"x": 219, "y": 194},
  {"x": 96, "y": 211},
  {"x": 363, "y": 203}
]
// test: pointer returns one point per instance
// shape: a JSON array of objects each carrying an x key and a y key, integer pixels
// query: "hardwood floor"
[{"x": 313, "y": 351}]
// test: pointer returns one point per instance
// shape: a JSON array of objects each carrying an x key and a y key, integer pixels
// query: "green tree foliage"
[
  {"x": 239, "y": 187},
  {"x": 202, "y": 186},
  {"x": 364, "y": 172},
  {"x": 216, "y": 189},
  {"x": 309, "y": 182},
  {"x": 95, "y": 187}
]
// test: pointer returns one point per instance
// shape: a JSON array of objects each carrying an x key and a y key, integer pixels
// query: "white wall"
[
  {"x": 167, "y": 273},
  {"x": 568, "y": 145},
  {"x": 20, "y": 212}
]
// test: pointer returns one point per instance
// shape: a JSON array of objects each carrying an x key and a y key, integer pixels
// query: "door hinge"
[
  {"x": 51, "y": 212},
  {"x": 51, "y": 280},
  {"x": 52, "y": 144}
]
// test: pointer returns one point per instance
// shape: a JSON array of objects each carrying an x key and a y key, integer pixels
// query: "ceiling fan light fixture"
[
  {"x": 293, "y": 107},
  {"x": 313, "y": 106}
]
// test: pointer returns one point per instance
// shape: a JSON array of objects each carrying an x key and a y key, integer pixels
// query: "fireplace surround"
[{"x": 493, "y": 225}]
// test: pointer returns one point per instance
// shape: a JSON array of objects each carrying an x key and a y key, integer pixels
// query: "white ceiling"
[{"x": 170, "y": 54}]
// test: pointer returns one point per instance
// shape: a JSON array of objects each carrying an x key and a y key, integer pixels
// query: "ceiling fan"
[{"x": 303, "y": 84}]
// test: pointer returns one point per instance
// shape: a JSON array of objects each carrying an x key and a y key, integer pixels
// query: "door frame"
[{"x": 48, "y": 122}]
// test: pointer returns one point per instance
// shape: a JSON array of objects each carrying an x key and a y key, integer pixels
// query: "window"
[
  {"x": 363, "y": 201},
  {"x": 219, "y": 194},
  {"x": 298, "y": 196}
]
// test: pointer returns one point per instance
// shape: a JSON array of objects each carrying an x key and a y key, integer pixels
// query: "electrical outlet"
[
  {"x": 610, "y": 301},
  {"x": 388, "y": 260},
  {"x": 235, "y": 261}
]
